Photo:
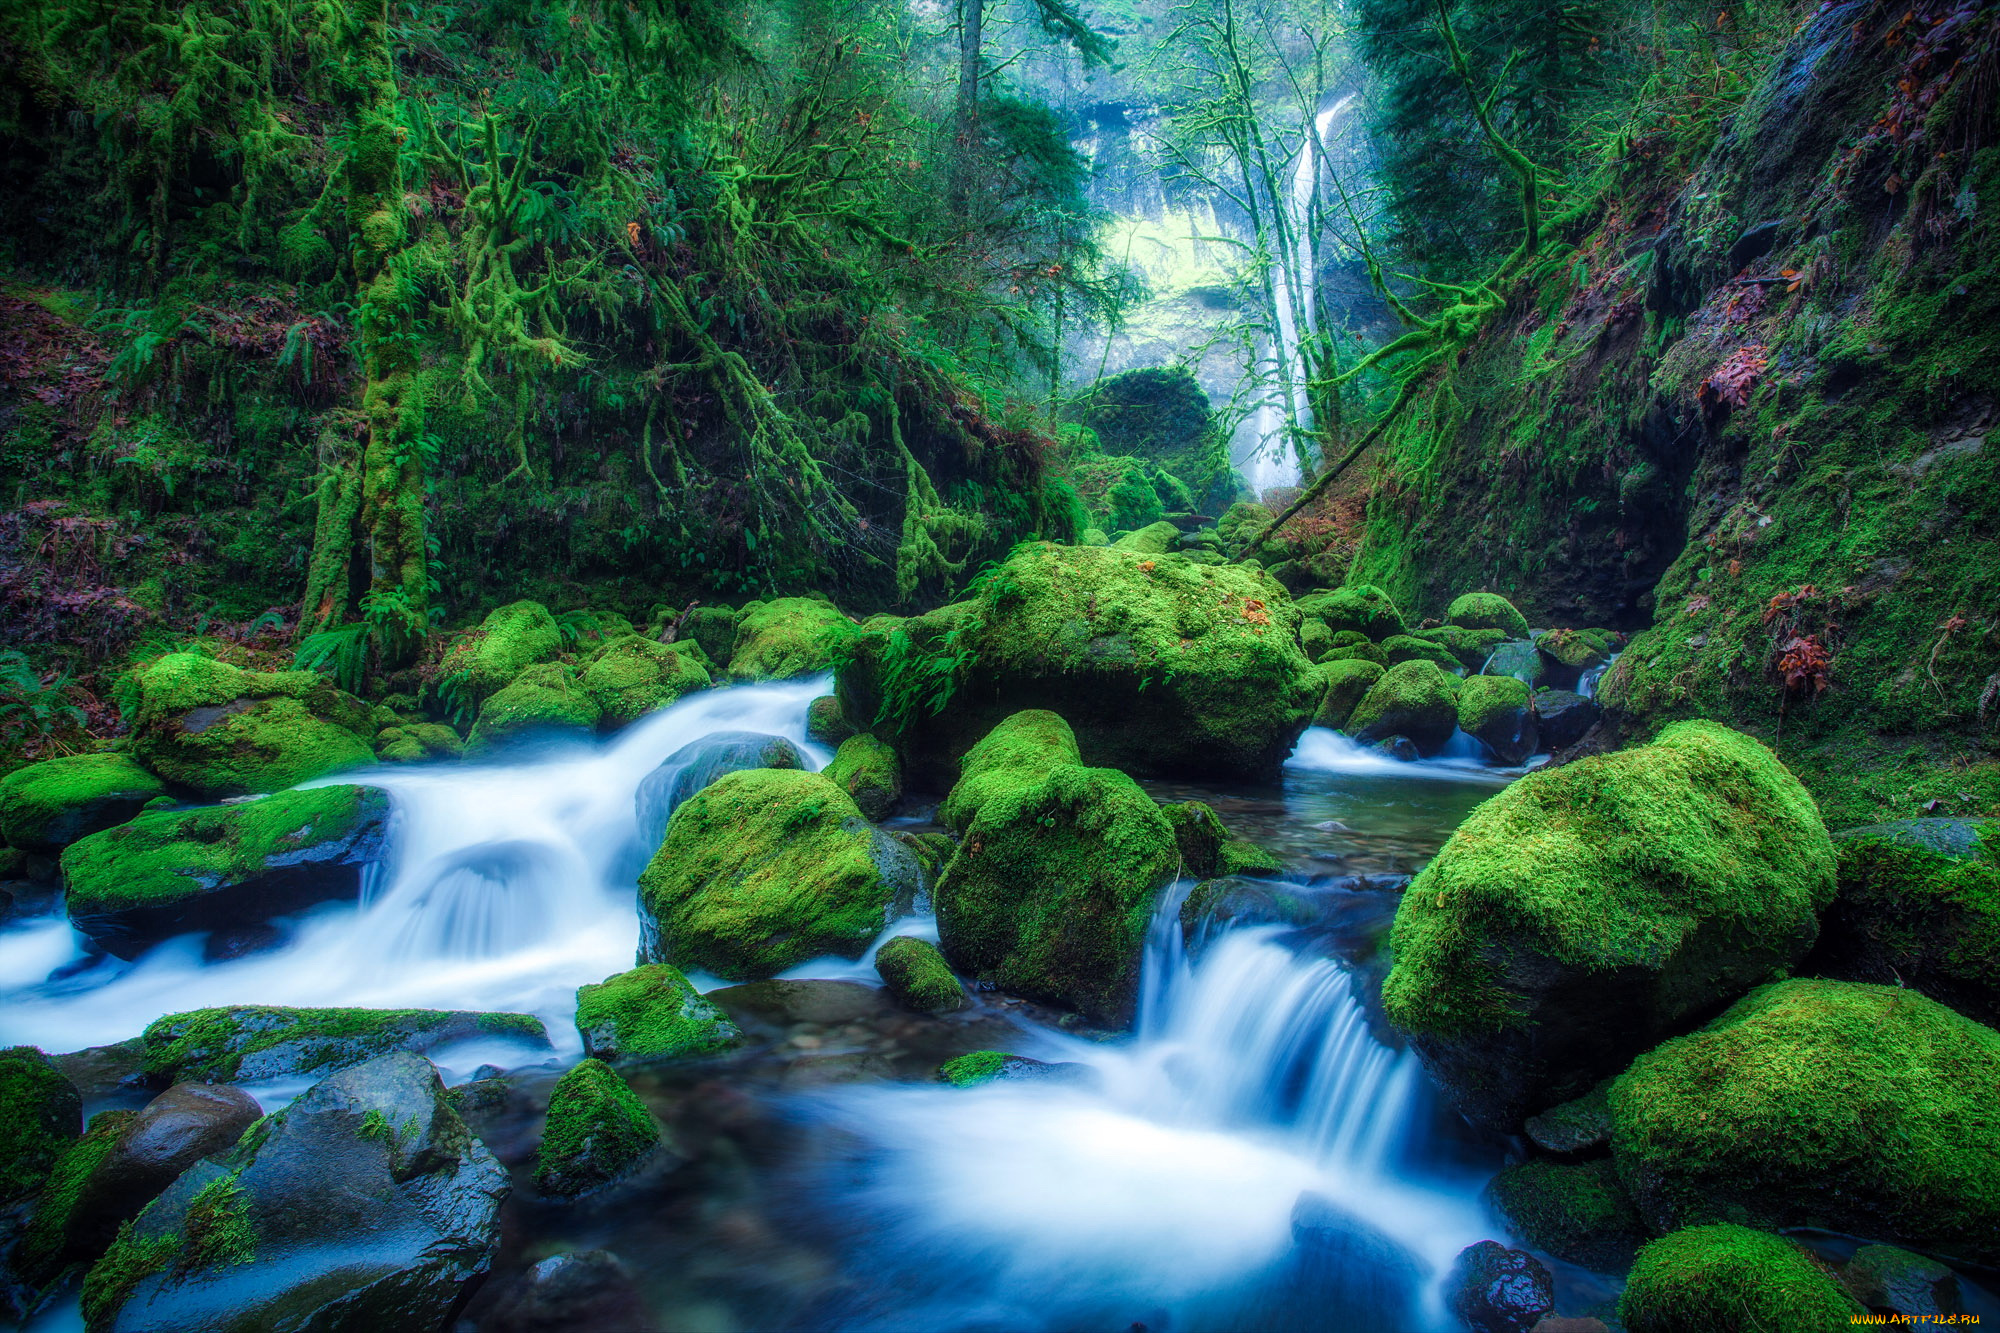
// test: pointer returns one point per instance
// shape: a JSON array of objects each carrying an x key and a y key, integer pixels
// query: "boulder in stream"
[
  {"x": 787, "y": 637},
  {"x": 40, "y": 1116},
  {"x": 577, "y": 1291},
  {"x": 1894, "y": 1281},
  {"x": 1575, "y": 1211},
  {"x": 1487, "y": 611},
  {"x": 598, "y": 1133},
  {"x": 650, "y": 1013},
  {"x": 1563, "y": 716},
  {"x": 218, "y": 730},
  {"x": 549, "y": 698},
  {"x": 918, "y": 976},
  {"x": 700, "y": 762},
  {"x": 1414, "y": 700},
  {"x": 480, "y": 662},
  {"x": 1363, "y": 608},
  {"x": 634, "y": 675},
  {"x": 868, "y": 770},
  {"x": 1730, "y": 1279},
  {"x": 1493, "y": 1289},
  {"x": 222, "y": 867},
  {"x": 1498, "y": 712},
  {"x": 1343, "y": 684},
  {"x": 364, "y": 1205},
  {"x": 246, "y": 1043},
  {"x": 47, "y": 806}
]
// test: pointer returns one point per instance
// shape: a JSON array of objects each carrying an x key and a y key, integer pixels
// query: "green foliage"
[
  {"x": 30, "y": 707},
  {"x": 340, "y": 652}
]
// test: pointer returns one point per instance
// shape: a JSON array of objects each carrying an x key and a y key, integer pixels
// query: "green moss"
[
  {"x": 633, "y": 676},
  {"x": 548, "y": 697},
  {"x": 1914, "y": 916},
  {"x": 1729, "y": 1279},
  {"x": 1487, "y": 611},
  {"x": 1864, "y": 1109},
  {"x": 414, "y": 741},
  {"x": 222, "y": 731},
  {"x": 1362, "y": 608},
  {"x": 1497, "y": 710},
  {"x": 1031, "y": 741},
  {"x": 164, "y": 857},
  {"x": 1579, "y": 1213},
  {"x": 1345, "y": 684},
  {"x": 481, "y": 662},
  {"x": 791, "y": 636},
  {"x": 650, "y": 1013},
  {"x": 1241, "y": 521},
  {"x": 1576, "y": 649},
  {"x": 1053, "y": 886},
  {"x": 1315, "y": 640},
  {"x": 49, "y": 805},
  {"x": 1470, "y": 646},
  {"x": 1412, "y": 699},
  {"x": 973, "y": 1068},
  {"x": 113, "y": 1278},
  {"x": 1153, "y": 539},
  {"x": 214, "y": 1045},
  {"x": 1208, "y": 849},
  {"x": 917, "y": 974},
  {"x": 217, "y": 1231},
  {"x": 45, "y": 1245},
  {"x": 761, "y": 870},
  {"x": 1356, "y": 652},
  {"x": 827, "y": 721},
  {"x": 598, "y": 1130},
  {"x": 40, "y": 1117},
  {"x": 713, "y": 629},
  {"x": 868, "y": 770},
  {"x": 1409, "y": 648}
]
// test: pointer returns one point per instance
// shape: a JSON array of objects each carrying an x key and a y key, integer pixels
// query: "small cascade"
[
  {"x": 1463, "y": 759},
  {"x": 1586, "y": 684}
]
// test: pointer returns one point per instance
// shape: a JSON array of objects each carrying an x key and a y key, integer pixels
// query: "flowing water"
[{"x": 1255, "y": 1154}]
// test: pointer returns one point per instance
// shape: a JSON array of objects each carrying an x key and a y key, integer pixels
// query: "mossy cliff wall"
[{"x": 1744, "y": 405}]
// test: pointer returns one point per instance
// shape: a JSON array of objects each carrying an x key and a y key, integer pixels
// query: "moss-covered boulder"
[
  {"x": 1364, "y": 608},
  {"x": 413, "y": 742},
  {"x": 1563, "y": 717},
  {"x": 633, "y": 676},
  {"x": 1919, "y": 906},
  {"x": 712, "y": 629},
  {"x": 1499, "y": 712},
  {"x": 1487, "y": 611},
  {"x": 650, "y": 1013},
  {"x": 1568, "y": 653},
  {"x": 827, "y": 722},
  {"x": 1412, "y": 699},
  {"x": 1054, "y": 883},
  {"x": 764, "y": 869},
  {"x": 1894, "y": 1281},
  {"x": 1315, "y": 640},
  {"x": 1519, "y": 659},
  {"x": 1162, "y": 666},
  {"x": 548, "y": 699},
  {"x": 58, "y": 1235},
  {"x": 1577, "y": 1211},
  {"x": 1409, "y": 648},
  {"x": 41, "y": 1115},
  {"x": 47, "y": 806},
  {"x": 918, "y": 976},
  {"x": 1031, "y": 741},
  {"x": 1730, "y": 1279},
  {"x": 245, "y": 1043},
  {"x": 221, "y": 867},
  {"x": 1239, "y": 523},
  {"x": 1208, "y": 849},
  {"x": 1153, "y": 539},
  {"x": 481, "y": 661},
  {"x": 1471, "y": 647},
  {"x": 219, "y": 730},
  {"x": 791, "y": 636},
  {"x": 1584, "y": 912},
  {"x": 598, "y": 1133},
  {"x": 1356, "y": 652},
  {"x": 867, "y": 769},
  {"x": 1343, "y": 685},
  {"x": 1863, "y": 1109}
]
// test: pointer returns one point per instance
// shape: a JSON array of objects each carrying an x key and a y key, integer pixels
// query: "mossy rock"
[
  {"x": 1409, "y": 648},
  {"x": 1520, "y": 659},
  {"x": 1578, "y": 1212},
  {"x": 1568, "y": 653},
  {"x": 713, "y": 630},
  {"x": 827, "y": 722},
  {"x": 1053, "y": 885},
  {"x": 1315, "y": 640},
  {"x": 1364, "y": 608},
  {"x": 918, "y": 976},
  {"x": 1153, "y": 539},
  {"x": 1031, "y": 741},
  {"x": 765, "y": 868},
  {"x": 1209, "y": 850},
  {"x": 51, "y": 1241},
  {"x": 699, "y": 763},
  {"x": 1863, "y": 1109},
  {"x": 1470, "y": 646},
  {"x": 1730, "y": 1279},
  {"x": 480, "y": 662},
  {"x": 219, "y": 867},
  {"x": 867, "y": 769},
  {"x": 650, "y": 1013},
  {"x": 1498, "y": 711},
  {"x": 1239, "y": 523},
  {"x": 1093, "y": 537},
  {"x": 1919, "y": 906},
  {"x": 1487, "y": 611},
  {"x": 245, "y": 1043},
  {"x": 1412, "y": 699},
  {"x": 219, "y": 730},
  {"x": 47, "y": 806},
  {"x": 633, "y": 676},
  {"x": 1585, "y": 912},
  {"x": 791, "y": 636},
  {"x": 1345, "y": 684},
  {"x": 598, "y": 1133},
  {"x": 41, "y": 1115},
  {"x": 1363, "y": 651},
  {"x": 1895, "y": 1281},
  {"x": 412, "y": 742},
  {"x": 547, "y": 699}
]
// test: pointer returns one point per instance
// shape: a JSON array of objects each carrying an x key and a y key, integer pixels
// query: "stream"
[{"x": 1253, "y": 1155}]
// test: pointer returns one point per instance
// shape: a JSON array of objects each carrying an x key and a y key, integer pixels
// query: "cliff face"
[{"x": 1749, "y": 414}]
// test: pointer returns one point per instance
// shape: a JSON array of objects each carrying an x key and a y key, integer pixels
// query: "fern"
[
  {"x": 341, "y": 652},
  {"x": 576, "y": 626},
  {"x": 28, "y": 707}
]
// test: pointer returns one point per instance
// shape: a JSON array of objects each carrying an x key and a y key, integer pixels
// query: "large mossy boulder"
[
  {"x": 222, "y": 867},
  {"x": 1412, "y": 699},
  {"x": 700, "y": 762},
  {"x": 1163, "y": 666},
  {"x": 791, "y": 636},
  {"x": 1730, "y": 1279},
  {"x": 1576, "y": 1211},
  {"x": 1487, "y": 611},
  {"x": 650, "y": 1013},
  {"x": 47, "y": 806},
  {"x": 1498, "y": 712},
  {"x": 764, "y": 869},
  {"x": 364, "y": 1205},
  {"x": 547, "y": 699},
  {"x": 867, "y": 769},
  {"x": 598, "y": 1133},
  {"x": 245, "y": 1043},
  {"x": 1153, "y": 539},
  {"x": 1585, "y": 912},
  {"x": 41, "y": 1115},
  {"x": 1343, "y": 684},
  {"x": 1471, "y": 647},
  {"x": 1863, "y": 1109},
  {"x": 1363, "y": 608},
  {"x": 1033, "y": 740},
  {"x": 480, "y": 662},
  {"x": 1919, "y": 906},
  {"x": 633, "y": 676},
  {"x": 219, "y": 730},
  {"x": 1053, "y": 884}
]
